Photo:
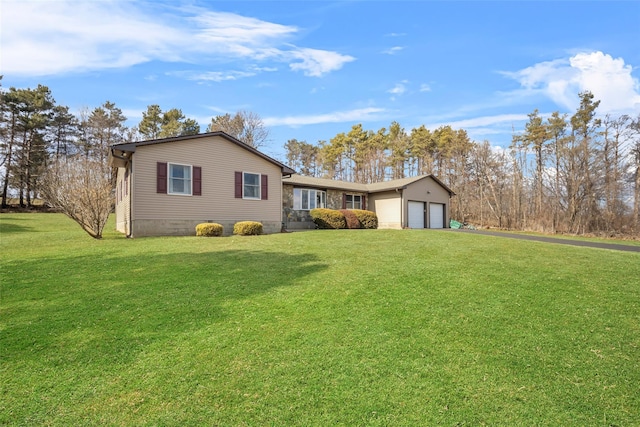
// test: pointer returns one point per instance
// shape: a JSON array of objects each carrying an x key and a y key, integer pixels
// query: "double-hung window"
[
  {"x": 305, "y": 199},
  {"x": 175, "y": 179},
  {"x": 179, "y": 179},
  {"x": 251, "y": 185},
  {"x": 353, "y": 201}
]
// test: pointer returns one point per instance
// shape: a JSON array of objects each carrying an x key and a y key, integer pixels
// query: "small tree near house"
[{"x": 81, "y": 188}]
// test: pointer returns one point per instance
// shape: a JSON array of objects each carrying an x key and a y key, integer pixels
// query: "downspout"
[
  {"x": 129, "y": 232},
  {"x": 448, "y": 212},
  {"x": 401, "y": 207},
  {"x": 283, "y": 217},
  {"x": 403, "y": 210}
]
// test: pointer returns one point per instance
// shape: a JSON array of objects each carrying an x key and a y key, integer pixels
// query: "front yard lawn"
[{"x": 335, "y": 327}]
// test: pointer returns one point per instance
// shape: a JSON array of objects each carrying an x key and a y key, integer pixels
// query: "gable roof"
[
  {"x": 376, "y": 187},
  {"x": 130, "y": 147}
]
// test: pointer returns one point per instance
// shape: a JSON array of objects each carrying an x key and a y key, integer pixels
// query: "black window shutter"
[
  {"x": 364, "y": 203},
  {"x": 197, "y": 181},
  {"x": 161, "y": 181},
  {"x": 344, "y": 200},
  {"x": 238, "y": 185},
  {"x": 264, "y": 193}
]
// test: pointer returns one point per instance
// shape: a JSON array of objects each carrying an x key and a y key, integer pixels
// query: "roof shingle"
[{"x": 376, "y": 187}]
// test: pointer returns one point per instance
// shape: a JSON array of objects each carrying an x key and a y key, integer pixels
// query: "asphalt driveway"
[{"x": 612, "y": 246}]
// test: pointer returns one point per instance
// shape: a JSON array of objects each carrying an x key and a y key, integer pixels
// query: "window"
[
  {"x": 353, "y": 201},
  {"x": 183, "y": 180},
  {"x": 179, "y": 179},
  {"x": 321, "y": 199},
  {"x": 251, "y": 185},
  {"x": 305, "y": 199}
]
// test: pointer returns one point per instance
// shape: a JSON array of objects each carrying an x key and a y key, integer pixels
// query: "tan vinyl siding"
[
  {"x": 392, "y": 207},
  {"x": 388, "y": 208},
  {"x": 219, "y": 160},
  {"x": 425, "y": 190},
  {"x": 123, "y": 198}
]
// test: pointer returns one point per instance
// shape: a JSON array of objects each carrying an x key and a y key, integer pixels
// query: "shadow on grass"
[
  {"x": 10, "y": 225},
  {"x": 96, "y": 311}
]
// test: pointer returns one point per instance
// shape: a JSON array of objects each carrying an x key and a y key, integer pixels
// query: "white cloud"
[
  {"x": 610, "y": 80},
  {"x": 212, "y": 76},
  {"x": 393, "y": 50},
  {"x": 316, "y": 62},
  {"x": 361, "y": 114},
  {"x": 220, "y": 76},
  {"x": 235, "y": 32},
  {"x": 488, "y": 121},
  {"x": 133, "y": 116},
  {"x": 216, "y": 109},
  {"x": 480, "y": 127},
  {"x": 424, "y": 87},
  {"x": 398, "y": 89},
  {"x": 42, "y": 38},
  {"x": 265, "y": 69},
  {"x": 62, "y": 36},
  {"x": 498, "y": 150}
]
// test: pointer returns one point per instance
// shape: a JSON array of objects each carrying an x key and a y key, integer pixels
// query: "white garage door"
[
  {"x": 416, "y": 214},
  {"x": 436, "y": 215}
]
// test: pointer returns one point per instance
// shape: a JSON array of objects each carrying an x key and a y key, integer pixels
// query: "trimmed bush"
[
  {"x": 209, "y": 229},
  {"x": 328, "y": 218},
  {"x": 351, "y": 218},
  {"x": 247, "y": 228},
  {"x": 367, "y": 219}
]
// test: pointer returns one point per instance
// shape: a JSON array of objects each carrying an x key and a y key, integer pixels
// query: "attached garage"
[
  {"x": 388, "y": 207},
  {"x": 417, "y": 202},
  {"x": 416, "y": 214},
  {"x": 423, "y": 202},
  {"x": 436, "y": 215}
]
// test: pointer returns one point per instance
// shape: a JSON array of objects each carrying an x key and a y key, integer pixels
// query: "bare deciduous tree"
[
  {"x": 245, "y": 126},
  {"x": 80, "y": 187},
  {"x": 635, "y": 168}
]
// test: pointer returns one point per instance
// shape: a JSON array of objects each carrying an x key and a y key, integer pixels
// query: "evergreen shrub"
[
  {"x": 328, "y": 218},
  {"x": 209, "y": 229},
  {"x": 368, "y": 219},
  {"x": 247, "y": 228}
]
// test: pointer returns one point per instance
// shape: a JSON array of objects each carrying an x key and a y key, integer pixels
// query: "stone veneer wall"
[
  {"x": 294, "y": 220},
  {"x": 301, "y": 220}
]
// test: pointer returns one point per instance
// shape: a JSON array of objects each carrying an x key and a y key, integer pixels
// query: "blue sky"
[{"x": 313, "y": 69}]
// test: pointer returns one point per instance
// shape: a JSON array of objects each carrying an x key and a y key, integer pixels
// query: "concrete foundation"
[{"x": 181, "y": 227}]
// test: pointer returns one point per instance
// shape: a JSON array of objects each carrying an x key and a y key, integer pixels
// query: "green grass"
[{"x": 335, "y": 327}]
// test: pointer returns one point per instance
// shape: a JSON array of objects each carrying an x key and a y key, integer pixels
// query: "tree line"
[
  {"x": 35, "y": 133},
  {"x": 47, "y": 152},
  {"x": 575, "y": 174}
]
